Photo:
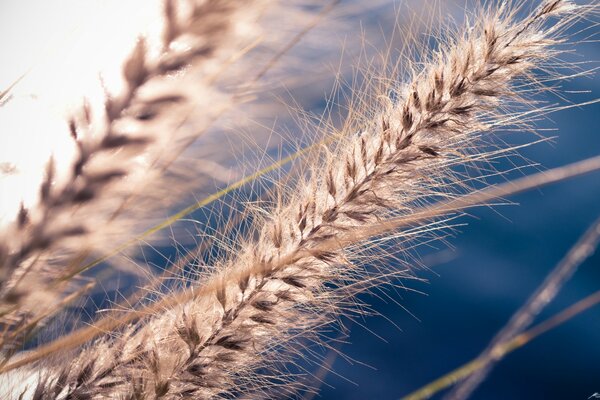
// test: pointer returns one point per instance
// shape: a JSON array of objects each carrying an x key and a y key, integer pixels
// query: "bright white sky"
[{"x": 62, "y": 46}]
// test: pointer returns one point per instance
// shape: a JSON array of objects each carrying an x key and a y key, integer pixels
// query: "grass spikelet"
[
  {"x": 226, "y": 341},
  {"x": 124, "y": 155}
]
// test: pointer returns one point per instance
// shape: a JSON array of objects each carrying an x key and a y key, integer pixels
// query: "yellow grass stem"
[{"x": 519, "y": 341}]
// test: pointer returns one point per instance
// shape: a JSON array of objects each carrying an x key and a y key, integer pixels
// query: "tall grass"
[{"x": 409, "y": 155}]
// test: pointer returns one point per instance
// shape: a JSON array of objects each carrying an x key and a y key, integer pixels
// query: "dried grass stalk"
[{"x": 123, "y": 154}]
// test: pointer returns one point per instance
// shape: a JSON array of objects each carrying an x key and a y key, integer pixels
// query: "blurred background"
[{"x": 497, "y": 256}]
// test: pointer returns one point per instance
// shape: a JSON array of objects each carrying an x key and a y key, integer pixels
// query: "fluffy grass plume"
[{"x": 123, "y": 163}]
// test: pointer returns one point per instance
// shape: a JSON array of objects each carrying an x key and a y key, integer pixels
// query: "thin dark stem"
[{"x": 523, "y": 318}]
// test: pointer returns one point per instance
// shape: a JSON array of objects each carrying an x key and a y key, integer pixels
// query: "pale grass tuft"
[{"x": 124, "y": 163}]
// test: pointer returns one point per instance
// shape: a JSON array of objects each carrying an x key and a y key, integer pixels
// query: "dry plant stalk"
[
  {"x": 524, "y": 317},
  {"x": 129, "y": 145},
  {"x": 218, "y": 344}
]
